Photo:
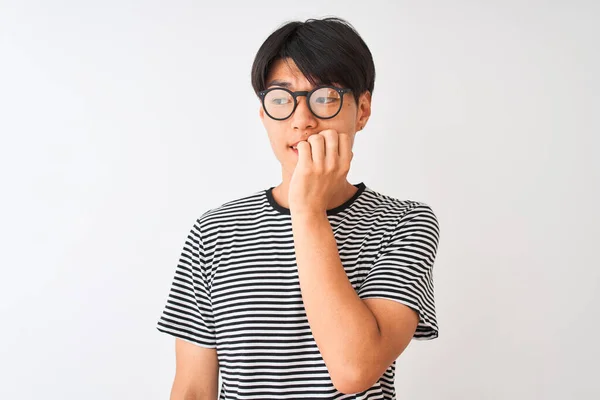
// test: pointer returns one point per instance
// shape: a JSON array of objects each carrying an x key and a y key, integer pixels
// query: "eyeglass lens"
[{"x": 324, "y": 103}]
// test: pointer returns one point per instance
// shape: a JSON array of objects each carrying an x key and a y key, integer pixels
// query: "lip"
[{"x": 296, "y": 144}]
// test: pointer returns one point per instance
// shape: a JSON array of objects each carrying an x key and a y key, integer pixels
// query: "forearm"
[
  {"x": 183, "y": 393},
  {"x": 344, "y": 328},
  {"x": 194, "y": 387}
]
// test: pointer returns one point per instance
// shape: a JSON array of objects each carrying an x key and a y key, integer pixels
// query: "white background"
[{"x": 122, "y": 121}]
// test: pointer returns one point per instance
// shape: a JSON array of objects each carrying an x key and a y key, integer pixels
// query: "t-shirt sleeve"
[
  {"x": 188, "y": 312},
  {"x": 403, "y": 270}
]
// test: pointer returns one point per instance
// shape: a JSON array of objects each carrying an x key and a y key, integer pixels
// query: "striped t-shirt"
[{"x": 236, "y": 289}]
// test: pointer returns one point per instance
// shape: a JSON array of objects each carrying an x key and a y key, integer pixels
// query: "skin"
[
  {"x": 331, "y": 188},
  {"x": 358, "y": 339}
]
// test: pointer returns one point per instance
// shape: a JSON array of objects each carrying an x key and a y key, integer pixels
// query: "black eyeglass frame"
[{"x": 262, "y": 94}]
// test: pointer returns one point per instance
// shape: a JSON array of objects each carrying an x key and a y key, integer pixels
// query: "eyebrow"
[
  {"x": 279, "y": 82},
  {"x": 282, "y": 83}
]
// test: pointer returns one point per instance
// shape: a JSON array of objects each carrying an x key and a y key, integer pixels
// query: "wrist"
[{"x": 307, "y": 213}]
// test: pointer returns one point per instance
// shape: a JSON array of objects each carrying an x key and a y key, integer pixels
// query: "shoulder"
[
  {"x": 399, "y": 209},
  {"x": 231, "y": 211}
]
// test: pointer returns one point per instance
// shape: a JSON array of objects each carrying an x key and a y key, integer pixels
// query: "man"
[{"x": 314, "y": 287}]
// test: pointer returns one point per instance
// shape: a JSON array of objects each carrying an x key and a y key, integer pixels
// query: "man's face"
[{"x": 302, "y": 123}]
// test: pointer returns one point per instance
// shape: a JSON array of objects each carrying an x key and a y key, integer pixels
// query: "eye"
[
  {"x": 279, "y": 101},
  {"x": 278, "y": 97},
  {"x": 325, "y": 97},
  {"x": 326, "y": 100}
]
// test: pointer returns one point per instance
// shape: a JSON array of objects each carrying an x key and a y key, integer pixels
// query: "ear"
[{"x": 363, "y": 110}]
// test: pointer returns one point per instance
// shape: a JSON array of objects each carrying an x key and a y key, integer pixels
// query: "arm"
[
  {"x": 196, "y": 373},
  {"x": 357, "y": 338}
]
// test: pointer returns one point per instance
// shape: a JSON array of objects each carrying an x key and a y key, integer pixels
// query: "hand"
[{"x": 323, "y": 164}]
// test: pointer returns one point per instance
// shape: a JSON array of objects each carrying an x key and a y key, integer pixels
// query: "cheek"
[
  {"x": 275, "y": 132},
  {"x": 345, "y": 121}
]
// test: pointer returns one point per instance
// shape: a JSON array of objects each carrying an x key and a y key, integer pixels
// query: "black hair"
[{"x": 326, "y": 51}]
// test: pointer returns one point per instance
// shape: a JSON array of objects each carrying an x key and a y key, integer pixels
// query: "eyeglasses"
[{"x": 324, "y": 102}]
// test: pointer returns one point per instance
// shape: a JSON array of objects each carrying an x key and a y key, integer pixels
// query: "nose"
[{"x": 303, "y": 119}]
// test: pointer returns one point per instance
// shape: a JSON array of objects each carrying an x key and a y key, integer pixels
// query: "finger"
[
  {"x": 332, "y": 154},
  {"x": 304, "y": 156},
  {"x": 317, "y": 144},
  {"x": 332, "y": 140},
  {"x": 345, "y": 149}
]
